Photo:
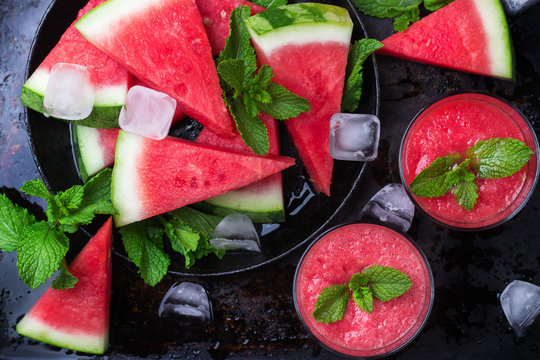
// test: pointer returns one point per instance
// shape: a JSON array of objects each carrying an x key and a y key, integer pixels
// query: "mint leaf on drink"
[
  {"x": 490, "y": 159},
  {"x": 39, "y": 253},
  {"x": 143, "y": 242},
  {"x": 498, "y": 158},
  {"x": 358, "y": 280},
  {"x": 386, "y": 283},
  {"x": 405, "y": 11},
  {"x": 13, "y": 221},
  {"x": 433, "y": 5},
  {"x": 363, "y": 297},
  {"x": 248, "y": 92},
  {"x": 331, "y": 304},
  {"x": 358, "y": 53},
  {"x": 268, "y": 4},
  {"x": 433, "y": 180}
]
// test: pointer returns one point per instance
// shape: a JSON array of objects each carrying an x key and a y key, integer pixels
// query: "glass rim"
[
  {"x": 455, "y": 224},
  {"x": 414, "y": 334}
]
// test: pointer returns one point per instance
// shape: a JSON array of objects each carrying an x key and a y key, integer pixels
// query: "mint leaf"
[
  {"x": 143, "y": 242},
  {"x": 497, "y": 158},
  {"x": 71, "y": 198},
  {"x": 37, "y": 188},
  {"x": 363, "y": 297},
  {"x": 405, "y": 10},
  {"x": 402, "y": 22},
  {"x": 466, "y": 192},
  {"x": 386, "y": 283},
  {"x": 433, "y": 5},
  {"x": 251, "y": 128},
  {"x": 433, "y": 181},
  {"x": 39, "y": 253},
  {"x": 183, "y": 239},
  {"x": 64, "y": 280},
  {"x": 358, "y": 280},
  {"x": 331, "y": 304},
  {"x": 232, "y": 71},
  {"x": 358, "y": 53},
  {"x": 285, "y": 105},
  {"x": 268, "y": 4},
  {"x": 13, "y": 221}
]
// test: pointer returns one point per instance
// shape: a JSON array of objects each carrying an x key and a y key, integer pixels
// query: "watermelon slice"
[
  {"x": 164, "y": 44},
  {"x": 307, "y": 49},
  {"x": 77, "y": 318},
  {"x": 108, "y": 77},
  {"x": 151, "y": 177},
  {"x": 466, "y": 35},
  {"x": 215, "y": 15},
  {"x": 261, "y": 201},
  {"x": 94, "y": 149}
]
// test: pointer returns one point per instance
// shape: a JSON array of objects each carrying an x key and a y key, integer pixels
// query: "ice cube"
[
  {"x": 392, "y": 206},
  {"x": 354, "y": 137},
  {"x": 520, "y": 301},
  {"x": 69, "y": 93},
  {"x": 186, "y": 304},
  {"x": 236, "y": 232},
  {"x": 147, "y": 113},
  {"x": 517, "y": 6}
]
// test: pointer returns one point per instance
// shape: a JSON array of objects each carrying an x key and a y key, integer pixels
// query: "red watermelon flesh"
[
  {"x": 153, "y": 177},
  {"x": 77, "y": 318},
  {"x": 466, "y": 35},
  {"x": 73, "y": 48},
  {"x": 316, "y": 72},
  {"x": 215, "y": 15},
  {"x": 165, "y": 45}
]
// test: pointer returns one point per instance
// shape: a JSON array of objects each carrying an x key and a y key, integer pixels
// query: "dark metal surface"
[{"x": 254, "y": 312}]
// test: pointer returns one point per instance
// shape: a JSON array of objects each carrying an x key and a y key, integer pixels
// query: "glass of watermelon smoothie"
[
  {"x": 348, "y": 249},
  {"x": 455, "y": 124}
]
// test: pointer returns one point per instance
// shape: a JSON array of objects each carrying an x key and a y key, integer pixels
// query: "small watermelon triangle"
[
  {"x": 77, "y": 318},
  {"x": 164, "y": 44},
  {"x": 215, "y": 15},
  {"x": 108, "y": 77},
  {"x": 153, "y": 177},
  {"x": 466, "y": 35}
]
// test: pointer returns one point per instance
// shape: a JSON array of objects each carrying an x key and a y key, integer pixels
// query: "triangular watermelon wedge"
[
  {"x": 215, "y": 15},
  {"x": 307, "y": 49},
  {"x": 164, "y": 44},
  {"x": 466, "y": 35},
  {"x": 108, "y": 77},
  {"x": 77, "y": 318},
  {"x": 261, "y": 201},
  {"x": 151, "y": 177}
]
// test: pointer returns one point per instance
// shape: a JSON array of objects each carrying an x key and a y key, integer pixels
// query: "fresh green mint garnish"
[
  {"x": 489, "y": 159},
  {"x": 380, "y": 282},
  {"x": 268, "y": 4},
  {"x": 404, "y": 12},
  {"x": 42, "y": 245},
  {"x": 188, "y": 231},
  {"x": 358, "y": 53},
  {"x": 248, "y": 92}
]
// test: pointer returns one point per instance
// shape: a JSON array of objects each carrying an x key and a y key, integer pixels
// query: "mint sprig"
[
  {"x": 248, "y": 92},
  {"x": 358, "y": 53},
  {"x": 268, "y": 4},
  {"x": 42, "y": 245},
  {"x": 380, "y": 282},
  {"x": 489, "y": 159}
]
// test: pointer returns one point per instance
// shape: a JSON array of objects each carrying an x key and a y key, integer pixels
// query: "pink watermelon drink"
[
  {"x": 452, "y": 125},
  {"x": 344, "y": 251},
  {"x": 307, "y": 49}
]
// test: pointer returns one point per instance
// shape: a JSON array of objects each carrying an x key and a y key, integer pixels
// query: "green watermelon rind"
[
  {"x": 88, "y": 154},
  {"x": 299, "y": 24},
  {"x": 107, "y": 106},
  {"x": 36, "y": 329},
  {"x": 265, "y": 207},
  {"x": 499, "y": 39}
]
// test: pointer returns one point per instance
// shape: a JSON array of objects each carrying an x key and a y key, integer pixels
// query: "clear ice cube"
[
  {"x": 520, "y": 301},
  {"x": 147, "y": 113},
  {"x": 354, "y": 137},
  {"x": 517, "y": 6},
  {"x": 69, "y": 93},
  {"x": 391, "y": 205},
  {"x": 186, "y": 304},
  {"x": 236, "y": 232}
]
